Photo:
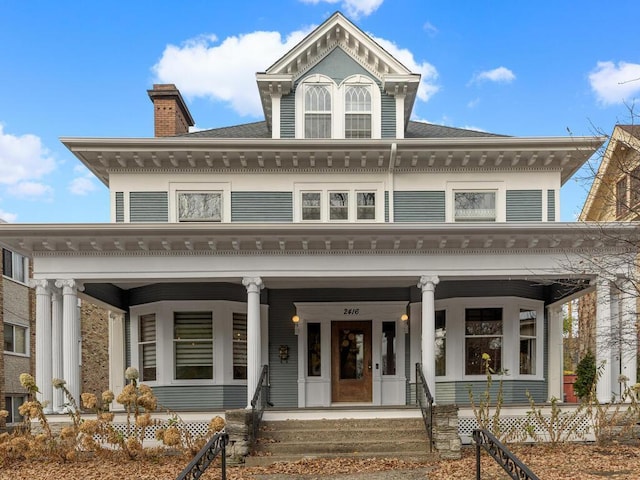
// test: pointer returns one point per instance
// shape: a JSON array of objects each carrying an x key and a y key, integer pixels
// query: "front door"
[{"x": 351, "y": 361}]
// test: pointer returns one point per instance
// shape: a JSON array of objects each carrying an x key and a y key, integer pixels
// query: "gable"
[{"x": 338, "y": 65}]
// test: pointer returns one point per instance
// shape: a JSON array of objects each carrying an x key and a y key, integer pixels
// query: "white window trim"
[
  {"x": 27, "y": 334},
  {"x": 200, "y": 187},
  {"x": 498, "y": 187},
  {"x": 222, "y": 311},
  {"x": 338, "y": 104},
  {"x": 325, "y": 188},
  {"x": 455, "y": 355},
  {"x": 25, "y": 266}
]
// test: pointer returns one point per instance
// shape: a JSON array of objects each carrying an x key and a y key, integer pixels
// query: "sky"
[{"x": 82, "y": 69}]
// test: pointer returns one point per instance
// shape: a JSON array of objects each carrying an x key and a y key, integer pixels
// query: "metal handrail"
[
  {"x": 502, "y": 455},
  {"x": 259, "y": 402},
  {"x": 425, "y": 402},
  {"x": 207, "y": 454}
]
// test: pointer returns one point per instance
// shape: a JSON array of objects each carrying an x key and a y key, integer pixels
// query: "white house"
[{"x": 391, "y": 242}]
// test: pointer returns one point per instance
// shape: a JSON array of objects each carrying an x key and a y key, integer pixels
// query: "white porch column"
[
  {"x": 254, "y": 354},
  {"x": 70, "y": 335},
  {"x": 603, "y": 338},
  {"x": 56, "y": 349},
  {"x": 116, "y": 356},
  {"x": 44, "y": 372},
  {"x": 628, "y": 321},
  {"x": 556, "y": 355},
  {"x": 428, "y": 285}
]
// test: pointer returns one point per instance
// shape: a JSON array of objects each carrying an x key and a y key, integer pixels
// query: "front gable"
[{"x": 337, "y": 48}]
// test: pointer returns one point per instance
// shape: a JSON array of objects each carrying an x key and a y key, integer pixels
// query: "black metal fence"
[
  {"x": 259, "y": 402},
  {"x": 216, "y": 445},
  {"x": 424, "y": 399},
  {"x": 501, "y": 454}
]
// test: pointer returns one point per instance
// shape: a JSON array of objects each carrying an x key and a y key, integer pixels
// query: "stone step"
[
  {"x": 292, "y": 440},
  {"x": 266, "y": 460}
]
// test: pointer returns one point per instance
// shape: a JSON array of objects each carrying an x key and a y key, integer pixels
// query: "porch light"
[
  {"x": 295, "y": 319},
  {"x": 405, "y": 322}
]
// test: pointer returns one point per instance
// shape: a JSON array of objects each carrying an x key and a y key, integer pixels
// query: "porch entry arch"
[{"x": 338, "y": 342}]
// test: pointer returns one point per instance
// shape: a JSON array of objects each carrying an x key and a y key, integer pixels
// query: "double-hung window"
[
  {"x": 366, "y": 207},
  {"x": 358, "y": 112},
  {"x": 528, "y": 342},
  {"x": 14, "y": 265},
  {"x": 622, "y": 207},
  {"x": 338, "y": 205},
  {"x": 12, "y": 405},
  {"x": 147, "y": 343},
  {"x": 15, "y": 339},
  {"x": 311, "y": 207},
  {"x": 483, "y": 335},
  {"x": 474, "y": 206},
  {"x": 239, "y": 346},
  {"x": 193, "y": 345},
  {"x": 317, "y": 111}
]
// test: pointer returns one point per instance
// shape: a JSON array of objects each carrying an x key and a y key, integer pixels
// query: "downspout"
[{"x": 391, "y": 178}]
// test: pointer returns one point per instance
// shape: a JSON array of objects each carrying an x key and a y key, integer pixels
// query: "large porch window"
[
  {"x": 193, "y": 345},
  {"x": 528, "y": 342},
  {"x": 239, "y": 346},
  {"x": 388, "y": 348},
  {"x": 147, "y": 343},
  {"x": 441, "y": 343},
  {"x": 483, "y": 335}
]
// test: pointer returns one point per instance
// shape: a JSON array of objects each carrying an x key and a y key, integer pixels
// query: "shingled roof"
[{"x": 414, "y": 130}]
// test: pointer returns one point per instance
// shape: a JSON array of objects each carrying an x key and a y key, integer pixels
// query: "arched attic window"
[
  {"x": 357, "y": 111},
  {"x": 317, "y": 111}
]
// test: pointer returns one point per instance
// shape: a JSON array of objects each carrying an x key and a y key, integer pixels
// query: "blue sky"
[{"x": 76, "y": 69}]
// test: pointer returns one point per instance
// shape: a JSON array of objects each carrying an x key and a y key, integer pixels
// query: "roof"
[
  {"x": 600, "y": 199},
  {"x": 414, "y": 130}
]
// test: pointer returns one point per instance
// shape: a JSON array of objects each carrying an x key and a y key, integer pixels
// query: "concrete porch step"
[{"x": 290, "y": 440}]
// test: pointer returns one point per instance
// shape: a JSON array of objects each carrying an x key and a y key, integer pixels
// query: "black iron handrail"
[
  {"x": 216, "y": 445},
  {"x": 501, "y": 454},
  {"x": 259, "y": 402},
  {"x": 424, "y": 399}
]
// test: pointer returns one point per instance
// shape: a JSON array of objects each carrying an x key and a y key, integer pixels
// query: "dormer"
[{"x": 337, "y": 83}]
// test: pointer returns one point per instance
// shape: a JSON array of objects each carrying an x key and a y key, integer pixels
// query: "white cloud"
[
  {"x": 427, "y": 87},
  {"x": 8, "y": 217},
  {"x": 83, "y": 184},
  {"x": 615, "y": 84},
  {"x": 31, "y": 190},
  {"x": 473, "y": 103},
  {"x": 353, "y": 8},
  {"x": 23, "y": 158},
  {"x": 225, "y": 71},
  {"x": 498, "y": 75},
  {"x": 430, "y": 28}
]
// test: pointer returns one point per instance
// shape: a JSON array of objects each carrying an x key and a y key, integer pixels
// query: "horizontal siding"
[
  {"x": 524, "y": 205},
  {"x": 388, "y": 116},
  {"x": 551, "y": 205},
  {"x": 201, "y": 397},
  {"x": 119, "y": 206},
  {"x": 262, "y": 207},
  {"x": 418, "y": 206},
  {"x": 386, "y": 206},
  {"x": 189, "y": 291},
  {"x": 288, "y": 116},
  {"x": 148, "y": 207},
  {"x": 514, "y": 391},
  {"x": 108, "y": 293}
]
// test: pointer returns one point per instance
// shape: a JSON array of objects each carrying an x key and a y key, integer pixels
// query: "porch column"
[
  {"x": 56, "y": 348},
  {"x": 116, "y": 356},
  {"x": 70, "y": 335},
  {"x": 44, "y": 372},
  {"x": 254, "y": 354},
  {"x": 603, "y": 338},
  {"x": 428, "y": 285},
  {"x": 556, "y": 356},
  {"x": 628, "y": 325}
]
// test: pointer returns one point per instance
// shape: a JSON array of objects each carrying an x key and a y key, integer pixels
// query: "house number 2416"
[{"x": 351, "y": 311}]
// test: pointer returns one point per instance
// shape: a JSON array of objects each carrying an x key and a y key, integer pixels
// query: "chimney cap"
[{"x": 167, "y": 91}]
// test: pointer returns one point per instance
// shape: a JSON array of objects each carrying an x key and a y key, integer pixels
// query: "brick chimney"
[{"x": 170, "y": 114}]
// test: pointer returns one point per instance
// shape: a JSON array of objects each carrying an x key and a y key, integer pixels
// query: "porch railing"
[
  {"x": 502, "y": 455},
  {"x": 259, "y": 402},
  {"x": 424, "y": 399},
  {"x": 216, "y": 445}
]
